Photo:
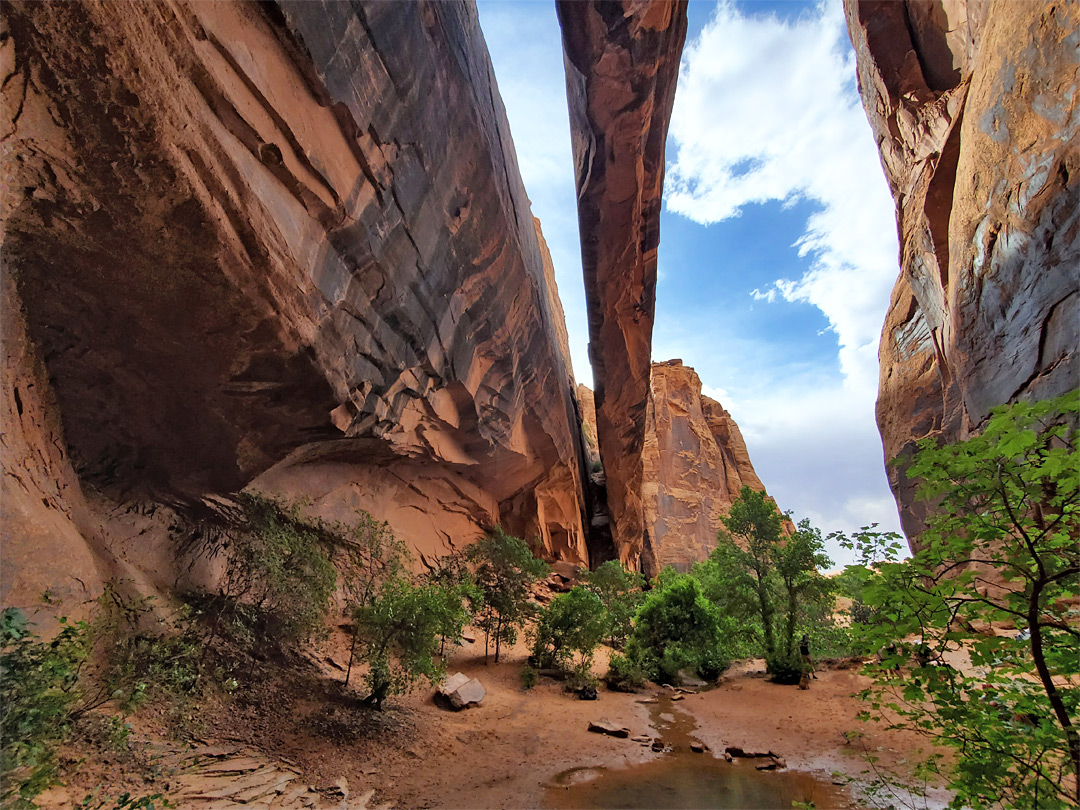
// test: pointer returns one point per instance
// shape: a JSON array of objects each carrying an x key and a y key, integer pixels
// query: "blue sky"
[{"x": 777, "y": 240}]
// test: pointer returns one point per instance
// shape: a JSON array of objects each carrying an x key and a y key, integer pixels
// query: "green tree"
[
  {"x": 1000, "y": 550},
  {"x": 573, "y": 624},
  {"x": 768, "y": 580},
  {"x": 676, "y": 628},
  {"x": 398, "y": 631},
  {"x": 504, "y": 568},
  {"x": 620, "y": 593}
]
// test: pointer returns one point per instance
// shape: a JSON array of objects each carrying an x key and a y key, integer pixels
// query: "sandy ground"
[{"x": 507, "y": 752}]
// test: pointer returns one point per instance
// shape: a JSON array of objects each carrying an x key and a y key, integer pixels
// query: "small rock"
[
  {"x": 468, "y": 639},
  {"x": 698, "y": 747},
  {"x": 658, "y": 745},
  {"x": 460, "y": 691},
  {"x": 587, "y": 693},
  {"x": 611, "y": 729},
  {"x": 642, "y": 738},
  {"x": 728, "y": 757},
  {"x": 678, "y": 697},
  {"x": 648, "y": 701}
]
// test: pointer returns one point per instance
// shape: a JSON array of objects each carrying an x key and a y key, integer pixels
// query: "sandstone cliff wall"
[
  {"x": 976, "y": 110},
  {"x": 694, "y": 463},
  {"x": 274, "y": 242},
  {"x": 622, "y": 62}
]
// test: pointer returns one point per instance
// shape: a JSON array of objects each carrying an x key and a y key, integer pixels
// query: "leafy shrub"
[
  {"x": 278, "y": 575},
  {"x": 674, "y": 629},
  {"x": 528, "y": 677},
  {"x": 1000, "y": 545},
  {"x": 39, "y": 693},
  {"x": 624, "y": 674},
  {"x": 785, "y": 668},
  {"x": 573, "y": 624}
]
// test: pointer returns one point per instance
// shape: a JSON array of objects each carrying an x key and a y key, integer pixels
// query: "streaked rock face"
[
  {"x": 695, "y": 463},
  {"x": 622, "y": 61},
  {"x": 283, "y": 243},
  {"x": 976, "y": 109}
]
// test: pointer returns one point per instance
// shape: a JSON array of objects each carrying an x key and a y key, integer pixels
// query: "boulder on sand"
[
  {"x": 609, "y": 728},
  {"x": 459, "y": 691}
]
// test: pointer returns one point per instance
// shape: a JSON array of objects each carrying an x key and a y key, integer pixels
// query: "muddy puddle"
[{"x": 681, "y": 778}]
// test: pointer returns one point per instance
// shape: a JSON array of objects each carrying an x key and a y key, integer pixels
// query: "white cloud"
[{"x": 767, "y": 110}]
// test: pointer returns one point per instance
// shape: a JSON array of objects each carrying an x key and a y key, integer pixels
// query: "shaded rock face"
[
  {"x": 285, "y": 242},
  {"x": 976, "y": 109},
  {"x": 622, "y": 61},
  {"x": 695, "y": 463}
]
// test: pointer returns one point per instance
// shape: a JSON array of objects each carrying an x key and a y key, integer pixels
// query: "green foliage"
[
  {"x": 620, "y": 593},
  {"x": 398, "y": 632},
  {"x": 504, "y": 568},
  {"x": 529, "y": 676},
  {"x": 1000, "y": 549},
  {"x": 624, "y": 675},
  {"x": 39, "y": 696},
  {"x": 675, "y": 629},
  {"x": 144, "y": 654},
  {"x": 125, "y": 801},
  {"x": 278, "y": 575},
  {"x": 766, "y": 582},
  {"x": 573, "y": 624}
]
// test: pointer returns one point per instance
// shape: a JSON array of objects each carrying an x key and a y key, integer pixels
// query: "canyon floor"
[{"x": 297, "y": 728}]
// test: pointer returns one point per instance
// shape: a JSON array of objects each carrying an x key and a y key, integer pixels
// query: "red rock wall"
[
  {"x": 976, "y": 109},
  {"x": 283, "y": 243},
  {"x": 622, "y": 62},
  {"x": 695, "y": 462}
]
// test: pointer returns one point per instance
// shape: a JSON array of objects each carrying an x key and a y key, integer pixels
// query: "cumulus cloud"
[{"x": 767, "y": 110}]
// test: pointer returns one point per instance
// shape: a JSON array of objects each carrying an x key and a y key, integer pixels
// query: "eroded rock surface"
[
  {"x": 285, "y": 241},
  {"x": 695, "y": 463},
  {"x": 622, "y": 61},
  {"x": 976, "y": 109}
]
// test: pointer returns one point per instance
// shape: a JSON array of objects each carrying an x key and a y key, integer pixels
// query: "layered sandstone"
[
  {"x": 976, "y": 109},
  {"x": 622, "y": 62},
  {"x": 283, "y": 243},
  {"x": 695, "y": 462}
]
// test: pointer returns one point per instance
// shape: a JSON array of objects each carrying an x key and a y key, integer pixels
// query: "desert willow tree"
[{"x": 1001, "y": 550}]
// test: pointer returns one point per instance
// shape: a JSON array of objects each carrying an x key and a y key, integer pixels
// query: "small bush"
[
  {"x": 674, "y": 629},
  {"x": 785, "y": 669},
  {"x": 624, "y": 675},
  {"x": 573, "y": 624},
  {"x": 712, "y": 664},
  {"x": 39, "y": 690},
  {"x": 529, "y": 676}
]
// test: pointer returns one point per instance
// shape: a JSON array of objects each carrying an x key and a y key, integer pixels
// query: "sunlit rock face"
[
  {"x": 695, "y": 462},
  {"x": 976, "y": 110},
  {"x": 286, "y": 242},
  {"x": 622, "y": 62}
]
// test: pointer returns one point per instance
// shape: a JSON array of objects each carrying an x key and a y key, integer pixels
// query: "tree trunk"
[
  {"x": 1039, "y": 658},
  {"x": 498, "y": 638}
]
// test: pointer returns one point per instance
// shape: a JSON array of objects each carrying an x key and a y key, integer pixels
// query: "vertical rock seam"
[
  {"x": 622, "y": 62},
  {"x": 976, "y": 110}
]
